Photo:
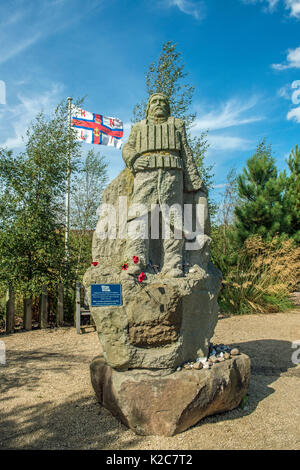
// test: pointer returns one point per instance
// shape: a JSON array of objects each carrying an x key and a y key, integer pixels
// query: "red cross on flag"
[{"x": 96, "y": 129}]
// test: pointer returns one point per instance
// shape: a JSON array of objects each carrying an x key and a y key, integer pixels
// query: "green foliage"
[
  {"x": 291, "y": 198},
  {"x": 260, "y": 191},
  {"x": 254, "y": 243},
  {"x": 244, "y": 402},
  {"x": 262, "y": 276},
  {"x": 2, "y": 310},
  {"x": 32, "y": 189},
  {"x": 199, "y": 146},
  {"x": 32, "y": 210},
  {"x": 87, "y": 187},
  {"x": 224, "y": 246},
  {"x": 167, "y": 76}
]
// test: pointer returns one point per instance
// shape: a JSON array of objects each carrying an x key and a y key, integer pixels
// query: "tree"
[
  {"x": 291, "y": 198},
  {"x": 260, "y": 191},
  {"x": 224, "y": 246},
  {"x": 167, "y": 76},
  {"x": 32, "y": 189},
  {"x": 230, "y": 199},
  {"x": 87, "y": 187}
]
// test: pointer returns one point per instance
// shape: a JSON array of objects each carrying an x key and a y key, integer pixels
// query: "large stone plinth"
[
  {"x": 162, "y": 323},
  {"x": 154, "y": 404}
]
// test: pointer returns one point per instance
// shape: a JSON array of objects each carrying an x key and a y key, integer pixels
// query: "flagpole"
[{"x": 67, "y": 229}]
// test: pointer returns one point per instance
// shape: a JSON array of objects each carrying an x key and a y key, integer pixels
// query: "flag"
[{"x": 96, "y": 129}]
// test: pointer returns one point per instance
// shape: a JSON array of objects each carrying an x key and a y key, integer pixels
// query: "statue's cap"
[{"x": 158, "y": 94}]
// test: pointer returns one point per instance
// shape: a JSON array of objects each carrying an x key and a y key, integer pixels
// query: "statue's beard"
[
  {"x": 161, "y": 117},
  {"x": 159, "y": 112}
]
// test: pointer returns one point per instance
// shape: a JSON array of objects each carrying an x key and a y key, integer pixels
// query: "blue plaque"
[{"x": 105, "y": 295}]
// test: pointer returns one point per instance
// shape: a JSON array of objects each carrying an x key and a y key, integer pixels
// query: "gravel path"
[{"x": 47, "y": 402}]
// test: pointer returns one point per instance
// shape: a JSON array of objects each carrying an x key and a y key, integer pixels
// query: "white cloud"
[
  {"x": 285, "y": 92},
  {"x": 294, "y": 114},
  {"x": 293, "y": 60},
  {"x": 292, "y": 6},
  {"x": 37, "y": 20},
  {"x": 194, "y": 8},
  {"x": 269, "y": 4},
  {"x": 229, "y": 114},
  {"x": 127, "y": 126},
  {"x": 272, "y": 3},
  {"x": 14, "y": 50},
  {"x": 18, "y": 117},
  {"x": 225, "y": 142}
]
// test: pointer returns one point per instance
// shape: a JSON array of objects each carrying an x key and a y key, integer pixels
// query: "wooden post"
[
  {"x": 60, "y": 305},
  {"x": 27, "y": 314},
  {"x": 10, "y": 311},
  {"x": 78, "y": 307},
  {"x": 44, "y": 308}
]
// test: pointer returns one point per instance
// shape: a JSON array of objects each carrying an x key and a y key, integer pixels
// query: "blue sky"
[{"x": 243, "y": 57}]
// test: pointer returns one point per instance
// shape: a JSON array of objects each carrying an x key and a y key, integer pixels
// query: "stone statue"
[
  {"x": 176, "y": 303},
  {"x": 169, "y": 318},
  {"x": 158, "y": 154}
]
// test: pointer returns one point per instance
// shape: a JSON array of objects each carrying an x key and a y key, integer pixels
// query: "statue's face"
[{"x": 158, "y": 107}]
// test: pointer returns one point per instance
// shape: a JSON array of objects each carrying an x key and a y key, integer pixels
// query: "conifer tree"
[
  {"x": 260, "y": 191},
  {"x": 291, "y": 199}
]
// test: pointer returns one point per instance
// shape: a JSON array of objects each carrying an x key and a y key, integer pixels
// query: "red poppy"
[
  {"x": 95, "y": 263},
  {"x": 124, "y": 267},
  {"x": 142, "y": 276},
  {"x": 135, "y": 259}
]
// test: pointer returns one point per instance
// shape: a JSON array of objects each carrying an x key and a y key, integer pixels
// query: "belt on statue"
[{"x": 161, "y": 161}]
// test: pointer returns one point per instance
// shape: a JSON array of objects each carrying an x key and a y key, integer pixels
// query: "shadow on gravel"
[
  {"x": 27, "y": 374},
  {"x": 270, "y": 359},
  {"x": 80, "y": 424},
  {"x": 84, "y": 424}
]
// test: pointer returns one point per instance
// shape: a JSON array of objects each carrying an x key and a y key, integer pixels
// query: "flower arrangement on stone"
[{"x": 135, "y": 259}]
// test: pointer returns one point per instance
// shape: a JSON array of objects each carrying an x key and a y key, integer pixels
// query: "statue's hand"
[{"x": 141, "y": 163}]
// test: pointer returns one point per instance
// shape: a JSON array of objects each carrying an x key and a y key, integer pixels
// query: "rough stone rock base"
[{"x": 150, "y": 403}]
